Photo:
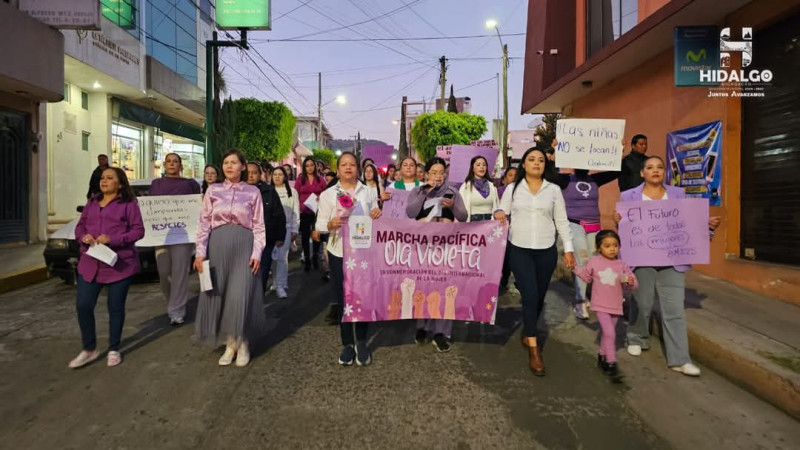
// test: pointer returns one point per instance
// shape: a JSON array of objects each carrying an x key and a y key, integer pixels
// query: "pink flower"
[{"x": 346, "y": 201}]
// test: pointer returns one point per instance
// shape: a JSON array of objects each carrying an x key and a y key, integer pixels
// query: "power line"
[
  {"x": 360, "y": 83},
  {"x": 293, "y": 10},
  {"x": 344, "y": 27},
  {"x": 421, "y": 38},
  {"x": 289, "y": 83},
  {"x": 476, "y": 84},
  {"x": 352, "y": 69}
]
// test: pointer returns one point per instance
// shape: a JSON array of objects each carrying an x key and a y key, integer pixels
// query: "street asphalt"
[{"x": 170, "y": 393}]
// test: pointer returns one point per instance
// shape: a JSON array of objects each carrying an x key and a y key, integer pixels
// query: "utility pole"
[
  {"x": 211, "y": 47},
  {"x": 319, "y": 114},
  {"x": 497, "y": 78},
  {"x": 443, "y": 77},
  {"x": 504, "y": 145}
]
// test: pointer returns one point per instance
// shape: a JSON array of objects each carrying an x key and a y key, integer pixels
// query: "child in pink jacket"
[{"x": 609, "y": 276}]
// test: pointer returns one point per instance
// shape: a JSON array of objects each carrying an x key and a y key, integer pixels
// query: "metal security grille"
[
  {"x": 771, "y": 150},
  {"x": 13, "y": 177}
]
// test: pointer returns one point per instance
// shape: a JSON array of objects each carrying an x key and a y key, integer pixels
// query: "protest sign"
[
  {"x": 484, "y": 143},
  {"x": 381, "y": 154},
  {"x": 664, "y": 232},
  {"x": 593, "y": 144},
  {"x": 694, "y": 158},
  {"x": 444, "y": 152},
  {"x": 169, "y": 219},
  {"x": 395, "y": 207},
  {"x": 461, "y": 157},
  {"x": 407, "y": 269}
]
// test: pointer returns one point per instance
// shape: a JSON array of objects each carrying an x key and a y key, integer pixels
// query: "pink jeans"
[{"x": 608, "y": 339}]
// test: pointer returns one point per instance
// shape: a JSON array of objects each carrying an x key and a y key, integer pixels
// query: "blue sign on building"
[{"x": 696, "y": 49}]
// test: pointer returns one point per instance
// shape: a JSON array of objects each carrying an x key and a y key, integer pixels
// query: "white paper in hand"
[
  {"x": 436, "y": 205},
  {"x": 205, "y": 277},
  {"x": 102, "y": 253},
  {"x": 311, "y": 202}
]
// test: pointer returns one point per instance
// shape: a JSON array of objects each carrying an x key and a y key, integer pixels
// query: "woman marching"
[
  {"x": 538, "y": 209},
  {"x": 668, "y": 282},
  {"x": 408, "y": 175},
  {"x": 111, "y": 218},
  {"x": 478, "y": 192},
  {"x": 174, "y": 261},
  {"x": 308, "y": 183},
  {"x": 372, "y": 180},
  {"x": 211, "y": 175},
  {"x": 333, "y": 213},
  {"x": 452, "y": 209},
  {"x": 291, "y": 208},
  {"x": 231, "y": 236}
]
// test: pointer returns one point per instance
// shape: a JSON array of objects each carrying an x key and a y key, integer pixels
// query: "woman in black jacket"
[{"x": 274, "y": 219}]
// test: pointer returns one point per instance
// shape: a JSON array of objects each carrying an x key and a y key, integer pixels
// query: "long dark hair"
[
  {"x": 550, "y": 172},
  {"x": 376, "y": 177},
  {"x": 242, "y": 159},
  {"x": 471, "y": 175},
  {"x": 125, "y": 191},
  {"x": 303, "y": 175},
  {"x": 219, "y": 176},
  {"x": 285, "y": 179}
]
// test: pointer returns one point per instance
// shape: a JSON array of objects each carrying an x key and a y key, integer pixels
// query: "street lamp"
[
  {"x": 491, "y": 23},
  {"x": 340, "y": 99}
]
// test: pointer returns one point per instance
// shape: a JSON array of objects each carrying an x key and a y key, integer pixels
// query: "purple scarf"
[{"x": 482, "y": 185}]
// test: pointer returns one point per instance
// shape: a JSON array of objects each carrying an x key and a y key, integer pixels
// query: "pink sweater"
[{"x": 605, "y": 275}]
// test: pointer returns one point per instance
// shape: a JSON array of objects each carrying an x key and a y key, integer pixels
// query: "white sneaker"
[
  {"x": 227, "y": 357},
  {"x": 281, "y": 292},
  {"x": 687, "y": 369},
  {"x": 635, "y": 350},
  {"x": 243, "y": 355},
  {"x": 83, "y": 358}
]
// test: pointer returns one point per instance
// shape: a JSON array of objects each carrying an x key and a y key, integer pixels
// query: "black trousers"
[
  {"x": 351, "y": 332},
  {"x": 532, "y": 271},
  {"x": 307, "y": 223}
]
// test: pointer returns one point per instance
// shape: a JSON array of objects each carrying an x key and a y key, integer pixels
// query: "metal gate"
[{"x": 14, "y": 176}]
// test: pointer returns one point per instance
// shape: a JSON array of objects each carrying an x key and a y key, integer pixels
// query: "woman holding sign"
[
  {"x": 232, "y": 237},
  {"x": 538, "y": 209},
  {"x": 110, "y": 218},
  {"x": 478, "y": 192},
  {"x": 307, "y": 184},
  {"x": 436, "y": 201},
  {"x": 174, "y": 261},
  {"x": 335, "y": 206},
  {"x": 668, "y": 282}
]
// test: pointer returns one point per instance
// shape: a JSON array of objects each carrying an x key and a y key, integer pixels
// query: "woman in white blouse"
[
  {"x": 331, "y": 217},
  {"x": 291, "y": 208},
  {"x": 537, "y": 206},
  {"x": 478, "y": 191}
]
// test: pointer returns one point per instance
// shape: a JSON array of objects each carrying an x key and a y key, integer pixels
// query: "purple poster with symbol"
[
  {"x": 420, "y": 270},
  {"x": 664, "y": 232}
]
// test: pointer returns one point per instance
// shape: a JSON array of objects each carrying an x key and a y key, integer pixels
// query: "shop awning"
[{"x": 134, "y": 113}]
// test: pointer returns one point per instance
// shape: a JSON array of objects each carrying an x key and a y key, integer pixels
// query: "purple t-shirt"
[
  {"x": 174, "y": 186},
  {"x": 582, "y": 198}
]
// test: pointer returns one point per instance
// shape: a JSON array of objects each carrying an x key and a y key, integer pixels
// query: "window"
[
  {"x": 607, "y": 20},
  {"x": 66, "y": 92},
  {"x": 84, "y": 100},
  {"x": 85, "y": 141},
  {"x": 172, "y": 27},
  {"x": 121, "y": 12}
]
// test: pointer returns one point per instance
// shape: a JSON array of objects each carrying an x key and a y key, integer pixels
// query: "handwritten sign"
[
  {"x": 664, "y": 232},
  {"x": 462, "y": 156},
  {"x": 395, "y": 207},
  {"x": 444, "y": 152},
  {"x": 593, "y": 144},
  {"x": 407, "y": 269},
  {"x": 381, "y": 154},
  {"x": 169, "y": 219},
  {"x": 484, "y": 143}
]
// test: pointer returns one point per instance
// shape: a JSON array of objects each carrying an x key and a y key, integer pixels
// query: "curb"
[{"x": 23, "y": 278}]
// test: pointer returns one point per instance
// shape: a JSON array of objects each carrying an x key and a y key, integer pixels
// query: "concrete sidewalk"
[{"x": 21, "y": 266}]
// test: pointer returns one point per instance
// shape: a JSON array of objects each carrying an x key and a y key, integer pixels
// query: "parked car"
[{"x": 62, "y": 251}]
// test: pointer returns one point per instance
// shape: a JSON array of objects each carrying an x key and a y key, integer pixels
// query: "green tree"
[
  {"x": 547, "y": 130},
  {"x": 327, "y": 156},
  {"x": 445, "y": 128},
  {"x": 224, "y": 137},
  {"x": 264, "y": 130},
  {"x": 452, "y": 106}
]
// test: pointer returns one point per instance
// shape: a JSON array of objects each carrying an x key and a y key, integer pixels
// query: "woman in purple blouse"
[
  {"x": 111, "y": 218},
  {"x": 231, "y": 236}
]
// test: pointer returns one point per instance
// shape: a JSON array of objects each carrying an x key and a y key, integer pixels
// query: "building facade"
[{"x": 615, "y": 59}]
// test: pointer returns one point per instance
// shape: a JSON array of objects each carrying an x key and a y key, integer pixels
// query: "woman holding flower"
[{"x": 335, "y": 206}]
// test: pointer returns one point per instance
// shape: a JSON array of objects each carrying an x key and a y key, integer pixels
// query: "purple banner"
[
  {"x": 664, "y": 232},
  {"x": 395, "y": 207},
  {"x": 381, "y": 154},
  {"x": 461, "y": 157},
  {"x": 420, "y": 270}
]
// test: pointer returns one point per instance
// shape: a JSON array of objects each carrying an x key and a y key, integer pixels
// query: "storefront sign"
[
  {"x": 64, "y": 14},
  {"x": 593, "y": 144},
  {"x": 169, "y": 219},
  {"x": 694, "y": 158},
  {"x": 252, "y": 14},
  {"x": 696, "y": 50},
  {"x": 112, "y": 51},
  {"x": 406, "y": 269}
]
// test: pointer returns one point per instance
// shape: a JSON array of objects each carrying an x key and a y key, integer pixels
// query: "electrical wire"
[
  {"x": 347, "y": 27},
  {"x": 421, "y": 38},
  {"x": 293, "y": 10}
]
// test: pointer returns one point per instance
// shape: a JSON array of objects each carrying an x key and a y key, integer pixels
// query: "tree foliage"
[
  {"x": 264, "y": 130},
  {"x": 445, "y": 128},
  {"x": 547, "y": 130},
  {"x": 327, "y": 156},
  {"x": 224, "y": 137}
]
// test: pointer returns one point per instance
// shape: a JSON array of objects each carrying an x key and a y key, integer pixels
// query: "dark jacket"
[
  {"x": 274, "y": 217},
  {"x": 631, "y": 175},
  {"x": 94, "y": 182}
]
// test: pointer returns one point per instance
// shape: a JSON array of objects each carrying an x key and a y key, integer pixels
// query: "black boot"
[
  {"x": 613, "y": 373},
  {"x": 601, "y": 363}
]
